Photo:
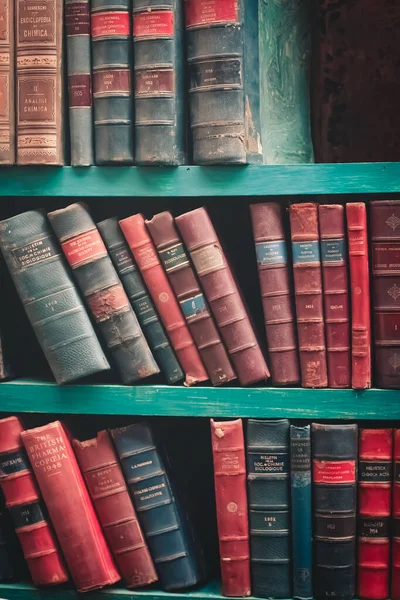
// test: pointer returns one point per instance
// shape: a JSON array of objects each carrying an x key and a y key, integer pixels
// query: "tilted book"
[{"x": 7, "y": 81}]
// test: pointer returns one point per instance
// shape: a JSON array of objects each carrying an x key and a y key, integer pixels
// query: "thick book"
[
  {"x": 107, "y": 488},
  {"x": 269, "y": 507},
  {"x": 301, "y": 499},
  {"x": 26, "y": 508},
  {"x": 105, "y": 297},
  {"x": 308, "y": 293},
  {"x": 223, "y": 295},
  {"x": 276, "y": 292},
  {"x": 163, "y": 519},
  {"x": 140, "y": 300},
  {"x": 334, "y": 454},
  {"x": 360, "y": 295},
  {"x": 71, "y": 511},
  {"x": 191, "y": 299},
  {"x": 395, "y": 579},
  {"x": 224, "y": 94},
  {"x": 142, "y": 247},
  {"x": 336, "y": 294},
  {"x": 374, "y": 512},
  {"x": 39, "y": 82},
  {"x": 54, "y": 308},
  {"x": 7, "y": 81},
  {"x": 160, "y": 119}
]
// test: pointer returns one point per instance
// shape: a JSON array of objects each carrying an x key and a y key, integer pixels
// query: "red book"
[
  {"x": 142, "y": 247},
  {"x": 231, "y": 501},
  {"x": 336, "y": 294},
  {"x": 374, "y": 506},
  {"x": 70, "y": 508},
  {"x": 360, "y": 296},
  {"x": 395, "y": 585},
  {"x": 27, "y": 510},
  {"x": 105, "y": 481}
]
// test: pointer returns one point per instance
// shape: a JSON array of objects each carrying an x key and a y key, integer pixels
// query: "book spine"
[
  {"x": 273, "y": 272},
  {"x": 139, "y": 241},
  {"x": 46, "y": 289},
  {"x": 105, "y": 296},
  {"x": 7, "y": 76},
  {"x": 223, "y": 295},
  {"x": 336, "y": 294},
  {"x": 360, "y": 295},
  {"x": 231, "y": 502},
  {"x": 269, "y": 507},
  {"x": 302, "y": 531},
  {"x": 162, "y": 520},
  {"x": 395, "y": 579},
  {"x": 27, "y": 511},
  {"x": 140, "y": 300},
  {"x": 193, "y": 304},
  {"x": 374, "y": 506},
  {"x": 79, "y": 63},
  {"x": 39, "y": 108},
  {"x": 308, "y": 292},
  {"x": 159, "y": 82},
  {"x": 334, "y": 452}
]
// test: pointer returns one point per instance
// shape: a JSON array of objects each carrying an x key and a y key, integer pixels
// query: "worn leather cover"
[
  {"x": 27, "y": 510},
  {"x": 269, "y": 507},
  {"x": 7, "y": 83},
  {"x": 308, "y": 292},
  {"x": 334, "y": 452},
  {"x": 374, "y": 512},
  {"x": 140, "y": 300},
  {"x": 360, "y": 295},
  {"x": 336, "y": 294},
  {"x": 54, "y": 308},
  {"x": 276, "y": 292},
  {"x": 163, "y": 520},
  {"x": 98, "y": 281},
  {"x": 223, "y": 295}
]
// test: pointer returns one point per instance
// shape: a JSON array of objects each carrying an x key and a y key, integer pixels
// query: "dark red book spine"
[
  {"x": 395, "y": 583},
  {"x": 360, "y": 296},
  {"x": 231, "y": 501},
  {"x": 336, "y": 294},
  {"x": 27, "y": 510},
  {"x": 374, "y": 508}
]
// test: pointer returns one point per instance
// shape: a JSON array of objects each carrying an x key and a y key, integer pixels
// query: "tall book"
[
  {"x": 39, "y": 88},
  {"x": 222, "y": 53},
  {"x": 107, "y": 488},
  {"x": 231, "y": 500},
  {"x": 105, "y": 297},
  {"x": 163, "y": 520},
  {"x": 334, "y": 453},
  {"x": 140, "y": 300},
  {"x": 193, "y": 304},
  {"x": 336, "y": 294},
  {"x": 395, "y": 580},
  {"x": 223, "y": 295},
  {"x": 160, "y": 123},
  {"x": 374, "y": 508},
  {"x": 54, "y": 308},
  {"x": 26, "y": 508},
  {"x": 7, "y": 80},
  {"x": 269, "y": 507},
  {"x": 142, "y": 247},
  {"x": 275, "y": 284},
  {"x": 360, "y": 295},
  {"x": 308, "y": 293}
]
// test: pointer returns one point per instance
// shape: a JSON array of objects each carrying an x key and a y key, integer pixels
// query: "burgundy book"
[
  {"x": 360, "y": 300},
  {"x": 374, "y": 508},
  {"x": 231, "y": 501},
  {"x": 26, "y": 508},
  {"x": 194, "y": 306},
  {"x": 308, "y": 293},
  {"x": 336, "y": 294},
  {"x": 70, "y": 508},
  {"x": 105, "y": 481},
  {"x": 273, "y": 272},
  {"x": 223, "y": 295},
  {"x": 395, "y": 583}
]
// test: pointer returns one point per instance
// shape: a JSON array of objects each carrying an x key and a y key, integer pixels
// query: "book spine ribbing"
[
  {"x": 395, "y": 576},
  {"x": 7, "y": 80}
]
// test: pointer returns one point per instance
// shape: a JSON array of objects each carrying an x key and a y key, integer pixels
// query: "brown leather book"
[{"x": 7, "y": 119}]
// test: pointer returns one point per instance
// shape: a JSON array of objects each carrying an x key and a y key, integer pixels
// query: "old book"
[
  {"x": 105, "y": 297},
  {"x": 395, "y": 578},
  {"x": 276, "y": 293},
  {"x": 7, "y": 81}
]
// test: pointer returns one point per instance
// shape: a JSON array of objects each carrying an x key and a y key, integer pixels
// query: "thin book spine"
[
  {"x": 395, "y": 575},
  {"x": 7, "y": 81}
]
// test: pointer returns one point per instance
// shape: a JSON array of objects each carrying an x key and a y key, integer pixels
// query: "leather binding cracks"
[
  {"x": 395, "y": 580},
  {"x": 7, "y": 80}
]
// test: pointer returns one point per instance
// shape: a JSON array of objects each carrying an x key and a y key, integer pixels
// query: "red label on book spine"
[
  {"x": 154, "y": 81},
  {"x": 343, "y": 471},
  {"x": 77, "y": 18},
  {"x": 116, "y": 80},
  {"x": 154, "y": 23},
  {"x": 105, "y": 303},
  {"x": 84, "y": 248},
  {"x": 79, "y": 90},
  {"x": 110, "y": 24},
  {"x": 211, "y": 12}
]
